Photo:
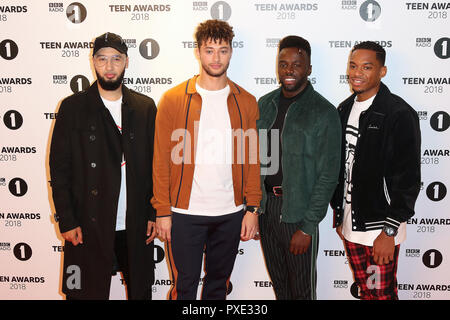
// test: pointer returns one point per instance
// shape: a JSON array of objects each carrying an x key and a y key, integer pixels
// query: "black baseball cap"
[{"x": 110, "y": 40}]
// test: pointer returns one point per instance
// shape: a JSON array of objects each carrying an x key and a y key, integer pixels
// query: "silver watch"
[{"x": 390, "y": 231}]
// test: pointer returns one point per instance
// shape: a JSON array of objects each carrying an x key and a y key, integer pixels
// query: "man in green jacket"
[{"x": 300, "y": 140}]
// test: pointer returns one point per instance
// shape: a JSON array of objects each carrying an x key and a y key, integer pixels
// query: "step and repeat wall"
[{"x": 45, "y": 50}]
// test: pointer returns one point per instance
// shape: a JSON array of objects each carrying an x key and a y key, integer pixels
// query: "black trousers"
[
  {"x": 217, "y": 237},
  {"x": 294, "y": 277},
  {"x": 120, "y": 262}
]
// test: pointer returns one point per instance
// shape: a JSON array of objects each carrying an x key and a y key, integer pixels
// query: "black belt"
[{"x": 276, "y": 190}]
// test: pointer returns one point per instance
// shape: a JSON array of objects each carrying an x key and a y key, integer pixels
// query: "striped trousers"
[{"x": 294, "y": 277}]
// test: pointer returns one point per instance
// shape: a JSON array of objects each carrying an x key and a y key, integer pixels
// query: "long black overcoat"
[{"x": 85, "y": 167}]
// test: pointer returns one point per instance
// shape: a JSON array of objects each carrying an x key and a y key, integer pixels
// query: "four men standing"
[{"x": 207, "y": 190}]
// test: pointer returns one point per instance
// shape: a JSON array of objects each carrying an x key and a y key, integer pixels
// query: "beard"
[
  {"x": 355, "y": 91},
  {"x": 110, "y": 85},
  {"x": 218, "y": 73},
  {"x": 294, "y": 87}
]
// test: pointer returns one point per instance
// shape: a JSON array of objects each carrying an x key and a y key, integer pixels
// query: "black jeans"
[
  {"x": 120, "y": 262},
  {"x": 219, "y": 238}
]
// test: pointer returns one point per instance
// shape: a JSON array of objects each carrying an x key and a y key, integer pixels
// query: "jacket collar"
[
  {"x": 96, "y": 105},
  {"x": 379, "y": 104},
  {"x": 96, "y": 100},
  {"x": 306, "y": 93},
  {"x": 191, "y": 89}
]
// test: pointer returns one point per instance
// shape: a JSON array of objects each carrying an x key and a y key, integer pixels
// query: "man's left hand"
[
  {"x": 383, "y": 249},
  {"x": 249, "y": 226}
]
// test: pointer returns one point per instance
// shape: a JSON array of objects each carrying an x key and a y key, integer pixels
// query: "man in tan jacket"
[{"x": 206, "y": 169}]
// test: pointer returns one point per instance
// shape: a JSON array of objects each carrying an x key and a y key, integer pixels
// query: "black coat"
[
  {"x": 85, "y": 167},
  {"x": 386, "y": 170}
]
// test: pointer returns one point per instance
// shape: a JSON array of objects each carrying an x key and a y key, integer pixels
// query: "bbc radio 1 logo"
[
  {"x": 76, "y": 12},
  {"x": 79, "y": 83},
  {"x": 22, "y": 251},
  {"x": 436, "y": 191},
  {"x": 17, "y": 187},
  {"x": 149, "y": 49},
  {"x": 221, "y": 10},
  {"x": 370, "y": 10},
  {"x": 442, "y": 48},
  {"x": 8, "y": 49},
  {"x": 12, "y": 119},
  {"x": 431, "y": 258},
  {"x": 440, "y": 121}
]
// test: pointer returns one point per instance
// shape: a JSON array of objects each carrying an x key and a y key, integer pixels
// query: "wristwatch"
[
  {"x": 255, "y": 210},
  {"x": 390, "y": 231}
]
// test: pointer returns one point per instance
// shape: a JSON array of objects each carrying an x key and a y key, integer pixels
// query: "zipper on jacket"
[
  {"x": 270, "y": 128},
  {"x": 184, "y": 148},
  {"x": 242, "y": 146},
  {"x": 281, "y": 140}
]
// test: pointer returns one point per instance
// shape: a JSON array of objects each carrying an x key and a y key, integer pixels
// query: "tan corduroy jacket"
[{"x": 176, "y": 125}]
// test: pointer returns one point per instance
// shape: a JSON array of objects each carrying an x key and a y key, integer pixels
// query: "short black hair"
[
  {"x": 371, "y": 45},
  {"x": 295, "y": 42}
]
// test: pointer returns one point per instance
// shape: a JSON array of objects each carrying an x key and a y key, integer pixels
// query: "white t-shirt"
[
  {"x": 115, "y": 108},
  {"x": 351, "y": 137},
  {"x": 212, "y": 192}
]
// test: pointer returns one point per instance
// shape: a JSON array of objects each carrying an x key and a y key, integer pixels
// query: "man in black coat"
[{"x": 101, "y": 171}]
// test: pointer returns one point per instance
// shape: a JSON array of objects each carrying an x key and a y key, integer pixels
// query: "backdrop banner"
[{"x": 45, "y": 55}]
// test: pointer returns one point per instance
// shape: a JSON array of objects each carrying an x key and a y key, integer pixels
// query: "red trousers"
[{"x": 376, "y": 282}]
